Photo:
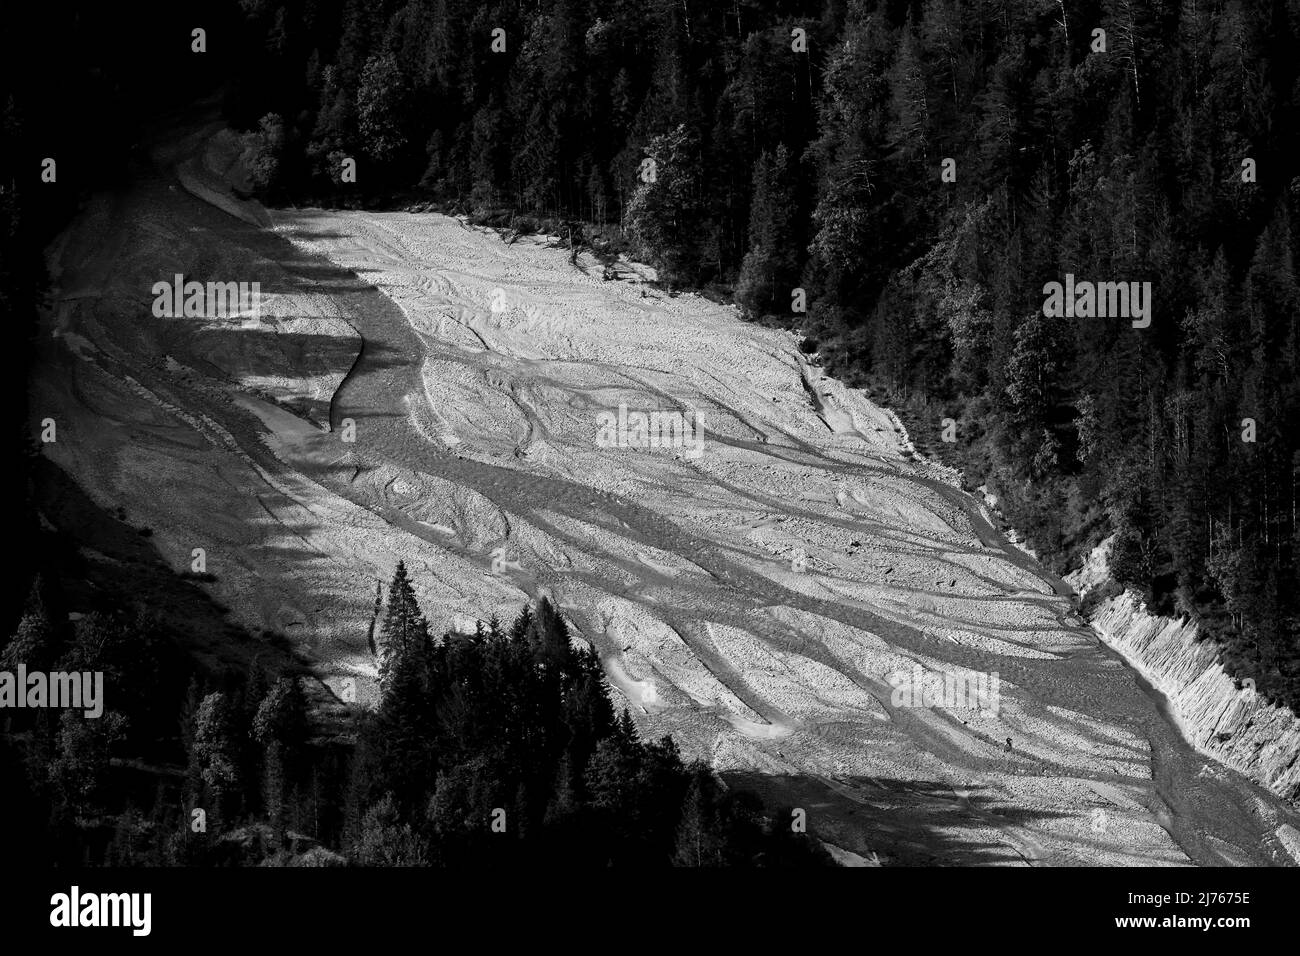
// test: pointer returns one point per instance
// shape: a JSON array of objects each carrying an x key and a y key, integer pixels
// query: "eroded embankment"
[{"x": 1227, "y": 721}]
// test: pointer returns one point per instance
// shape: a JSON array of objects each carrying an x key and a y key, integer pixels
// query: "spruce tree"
[
  {"x": 770, "y": 270},
  {"x": 404, "y": 628}
]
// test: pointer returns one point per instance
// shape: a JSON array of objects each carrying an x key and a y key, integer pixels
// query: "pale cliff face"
[{"x": 1229, "y": 722}]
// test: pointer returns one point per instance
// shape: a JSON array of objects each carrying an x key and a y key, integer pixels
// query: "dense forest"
[
  {"x": 899, "y": 180},
  {"x": 493, "y": 749}
]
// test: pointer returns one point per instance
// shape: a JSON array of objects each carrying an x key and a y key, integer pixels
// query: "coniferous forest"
[{"x": 508, "y": 725}]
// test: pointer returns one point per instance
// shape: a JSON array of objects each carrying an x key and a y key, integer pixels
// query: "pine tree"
[
  {"x": 663, "y": 215},
  {"x": 697, "y": 842},
  {"x": 381, "y": 108},
  {"x": 82, "y": 757},
  {"x": 280, "y": 727},
  {"x": 1034, "y": 390},
  {"x": 33, "y": 644},
  {"x": 907, "y": 80},
  {"x": 385, "y": 840},
  {"x": 564, "y": 803},
  {"x": 404, "y": 628},
  {"x": 405, "y": 733},
  {"x": 770, "y": 270},
  {"x": 215, "y": 749},
  {"x": 264, "y": 156}
]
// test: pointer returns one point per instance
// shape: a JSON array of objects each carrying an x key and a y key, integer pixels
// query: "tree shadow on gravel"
[{"x": 902, "y": 822}]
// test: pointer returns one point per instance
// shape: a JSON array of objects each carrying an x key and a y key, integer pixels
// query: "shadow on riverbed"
[
  {"x": 105, "y": 563},
  {"x": 902, "y": 822}
]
